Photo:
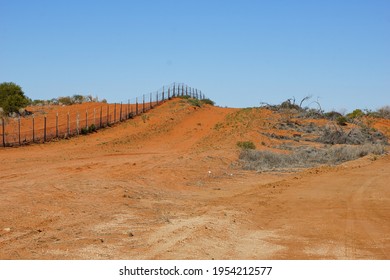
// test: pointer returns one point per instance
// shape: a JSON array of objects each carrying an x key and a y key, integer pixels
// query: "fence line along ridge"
[{"x": 39, "y": 129}]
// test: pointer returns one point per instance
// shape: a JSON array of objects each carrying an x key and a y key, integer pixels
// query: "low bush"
[
  {"x": 208, "y": 101},
  {"x": 246, "y": 145},
  {"x": 333, "y": 115},
  {"x": 92, "y": 128},
  {"x": 84, "y": 130},
  {"x": 384, "y": 112},
  {"x": 355, "y": 114},
  {"x": 306, "y": 157},
  {"x": 341, "y": 120},
  {"x": 355, "y": 136},
  {"x": 184, "y": 96},
  {"x": 195, "y": 102}
]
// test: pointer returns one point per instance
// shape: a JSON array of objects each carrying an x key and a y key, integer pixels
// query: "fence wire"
[{"x": 47, "y": 127}]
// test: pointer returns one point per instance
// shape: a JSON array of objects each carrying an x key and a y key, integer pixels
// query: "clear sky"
[{"x": 239, "y": 53}]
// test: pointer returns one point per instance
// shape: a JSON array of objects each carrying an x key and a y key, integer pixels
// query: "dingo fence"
[{"x": 52, "y": 125}]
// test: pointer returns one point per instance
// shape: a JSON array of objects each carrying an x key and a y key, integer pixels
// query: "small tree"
[
  {"x": 12, "y": 97},
  {"x": 78, "y": 98}
]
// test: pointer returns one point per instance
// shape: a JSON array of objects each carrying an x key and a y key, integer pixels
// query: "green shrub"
[
  {"x": 208, "y": 101},
  {"x": 246, "y": 145},
  {"x": 341, "y": 120},
  {"x": 91, "y": 128},
  {"x": 84, "y": 130},
  {"x": 12, "y": 98},
  {"x": 355, "y": 114},
  {"x": 65, "y": 100},
  {"x": 184, "y": 96},
  {"x": 195, "y": 102}
]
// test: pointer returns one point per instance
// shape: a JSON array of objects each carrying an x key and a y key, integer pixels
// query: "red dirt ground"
[{"x": 169, "y": 186}]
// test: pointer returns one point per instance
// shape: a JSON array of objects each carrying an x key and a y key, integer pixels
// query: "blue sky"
[{"x": 239, "y": 53}]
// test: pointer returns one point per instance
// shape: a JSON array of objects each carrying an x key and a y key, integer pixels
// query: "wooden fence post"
[
  {"x": 77, "y": 123},
  {"x": 86, "y": 119},
  {"x": 68, "y": 120},
  {"x": 44, "y": 129},
  {"x": 150, "y": 101},
  {"x": 114, "y": 112},
  {"x": 3, "y": 125},
  {"x": 143, "y": 103},
  {"x": 120, "y": 113},
  {"x": 108, "y": 114},
  {"x": 57, "y": 125},
  {"x": 101, "y": 116},
  {"x": 173, "y": 93},
  {"x": 19, "y": 130},
  {"x": 157, "y": 98},
  {"x": 33, "y": 128},
  {"x": 128, "y": 109},
  {"x": 182, "y": 90},
  {"x": 136, "y": 106},
  {"x": 163, "y": 94}
]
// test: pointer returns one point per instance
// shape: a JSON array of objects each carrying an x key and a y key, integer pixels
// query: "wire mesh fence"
[{"x": 53, "y": 125}]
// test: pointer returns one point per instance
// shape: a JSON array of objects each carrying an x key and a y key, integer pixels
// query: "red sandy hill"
[{"x": 169, "y": 185}]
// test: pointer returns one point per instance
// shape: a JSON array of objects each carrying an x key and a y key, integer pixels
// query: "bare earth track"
[{"x": 169, "y": 187}]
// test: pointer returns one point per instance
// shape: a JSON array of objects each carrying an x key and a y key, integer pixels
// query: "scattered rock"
[
  {"x": 7, "y": 229},
  {"x": 131, "y": 234}
]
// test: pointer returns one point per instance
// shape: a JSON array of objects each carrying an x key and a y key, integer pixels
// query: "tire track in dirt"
[{"x": 362, "y": 220}]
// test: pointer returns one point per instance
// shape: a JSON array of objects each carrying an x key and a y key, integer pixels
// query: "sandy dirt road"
[{"x": 169, "y": 187}]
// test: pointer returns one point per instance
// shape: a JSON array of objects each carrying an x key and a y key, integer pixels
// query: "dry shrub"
[
  {"x": 304, "y": 157},
  {"x": 355, "y": 136}
]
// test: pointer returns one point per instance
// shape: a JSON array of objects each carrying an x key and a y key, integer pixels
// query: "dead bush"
[
  {"x": 355, "y": 136},
  {"x": 304, "y": 157}
]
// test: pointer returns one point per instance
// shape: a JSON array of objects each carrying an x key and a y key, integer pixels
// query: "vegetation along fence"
[{"x": 49, "y": 124}]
